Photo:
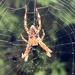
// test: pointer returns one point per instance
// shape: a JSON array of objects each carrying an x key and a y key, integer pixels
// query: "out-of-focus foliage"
[
  {"x": 73, "y": 2},
  {"x": 46, "y": 2},
  {"x": 9, "y": 22},
  {"x": 2, "y": 67},
  {"x": 15, "y": 3},
  {"x": 57, "y": 68},
  {"x": 40, "y": 73},
  {"x": 2, "y": 64},
  {"x": 64, "y": 10}
]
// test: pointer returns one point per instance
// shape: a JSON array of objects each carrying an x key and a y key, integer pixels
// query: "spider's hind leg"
[
  {"x": 26, "y": 53},
  {"x": 48, "y": 51}
]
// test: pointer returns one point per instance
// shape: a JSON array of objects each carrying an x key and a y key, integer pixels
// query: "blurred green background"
[{"x": 58, "y": 21}]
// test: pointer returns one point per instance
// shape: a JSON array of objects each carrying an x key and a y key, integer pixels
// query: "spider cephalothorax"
[
  {"x": 33, "y": 32},
  {"x": 33, "y": 37}
]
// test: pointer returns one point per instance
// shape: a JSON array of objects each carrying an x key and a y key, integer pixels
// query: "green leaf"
[{"x": 40, "y": 73}]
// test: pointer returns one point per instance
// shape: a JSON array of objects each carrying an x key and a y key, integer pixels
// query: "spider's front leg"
[
  {"x": 25, "y": 55},
  {"x": 39, "y": 20},
  {"x": 25, "y": 21}
]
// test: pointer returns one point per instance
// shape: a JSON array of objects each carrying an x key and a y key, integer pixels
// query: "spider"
[{"x": 33, "y": 37}]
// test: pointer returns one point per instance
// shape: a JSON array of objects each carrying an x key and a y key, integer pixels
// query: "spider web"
[{"x": 60, "y": 38}]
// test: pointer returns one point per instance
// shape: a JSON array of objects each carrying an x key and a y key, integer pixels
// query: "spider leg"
[
  {"x": 23, "y": 38},
  {"x": 39, "y": 20},
  {"x": 48, "y": 51},
  {"x": 42, "y": 38},
  {"x": 25, "y": 55},
  {"x": 25, "y": 21}
]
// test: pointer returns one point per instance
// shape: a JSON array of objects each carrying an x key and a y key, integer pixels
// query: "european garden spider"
[{"x": 34, "y": 39}]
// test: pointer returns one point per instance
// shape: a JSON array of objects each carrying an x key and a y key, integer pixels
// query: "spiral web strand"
[{"x": 11, "y": 49}]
